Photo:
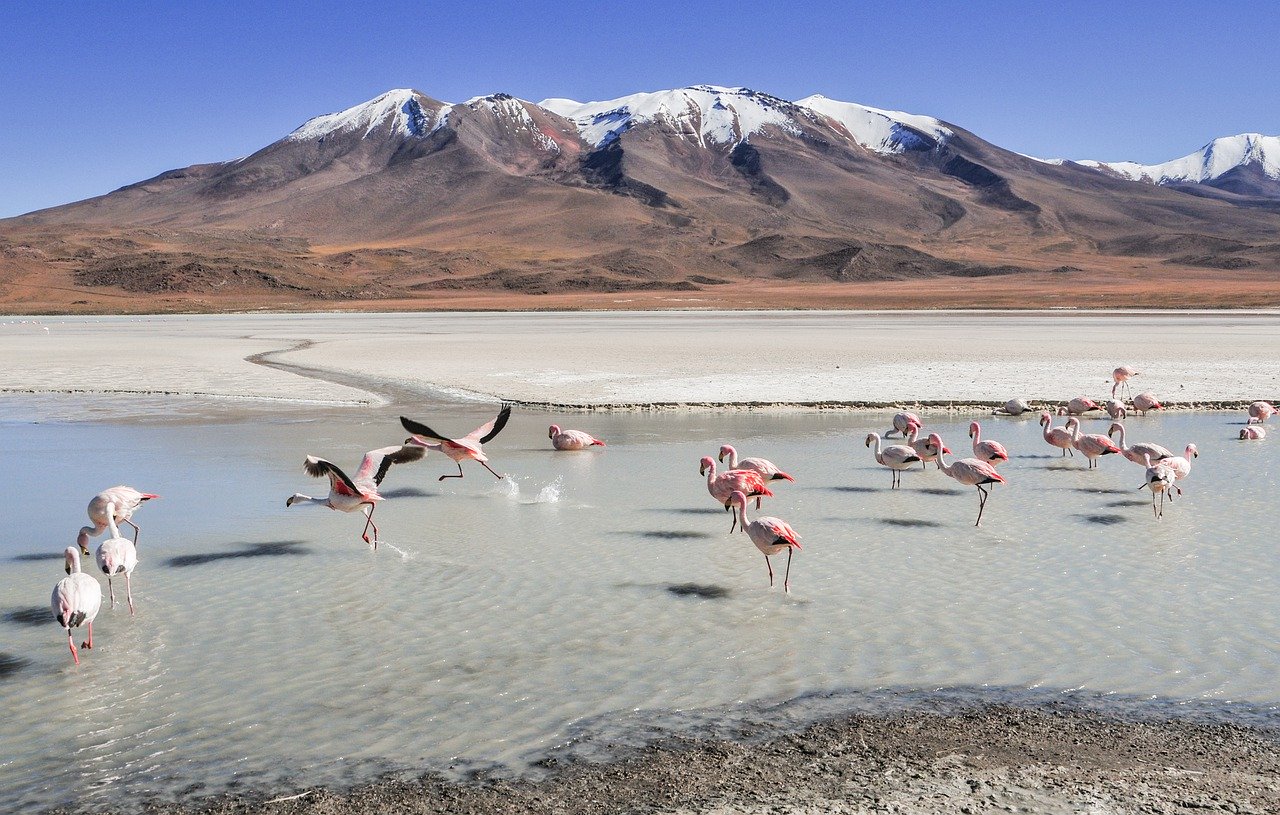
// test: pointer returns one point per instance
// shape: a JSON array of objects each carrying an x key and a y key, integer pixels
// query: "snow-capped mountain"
[
  {"x": 1235, "y": 163},
  {"x": 399, "y": 111}
]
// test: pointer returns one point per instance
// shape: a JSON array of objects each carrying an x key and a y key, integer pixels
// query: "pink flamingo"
[
  {"x": 1078, "y": 406},
  {"x": 1181, "y": 465},
  {"x": 569, "y": 439},
  {"x": 1093, "y": 445},
  {"x": 1253, "y": 433},
  {"x": 1138, "y": 452},
  {"x": 1057, "y": 436},
  {"x": 76, "y": 600},
  {"x": 897, "y": 457},
  {"x": 764, "y": 466},
  {"x": 1159, "y": 479},
  {"x": 723, "y": 485},
  {"x": 1260, "y": 411},
  {"x": 126, "y": 500},
  {"x": 992, "y": 452},
  {"x": 902, "y": 423},
  {"x": 467, "y": 447},
  {"x": 1121, "y": 376},
  {"x": 1115, "y": 409},
  {"x": 349, "y": 495},
  {"x": 1146, "y": 401},
  {"x": 924, "y": 450},
  {"x": 971, "y": 472},
  {"x": 770, "y": 535},
  {"x": 117, "y": 555}
]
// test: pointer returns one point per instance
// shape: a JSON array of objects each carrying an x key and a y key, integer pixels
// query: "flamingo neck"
[
  {"x": 942, "y": 464},
  {"x": 733, "y": 457},
  {"x": 742, "y": 516},
  {"x": 111, "y": 520}
]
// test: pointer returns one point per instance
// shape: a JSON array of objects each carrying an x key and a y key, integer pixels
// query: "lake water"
[{"x": 590, "y": 590}]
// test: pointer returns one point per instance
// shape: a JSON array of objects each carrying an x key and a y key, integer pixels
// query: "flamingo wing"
[
  {"x": 781, "y": 530},
  {"x": 376, "y": 462},
  {"x": 338, "y": 480},
  {"x": 488, "y": 430},
  {"x": 420, "y": 429}
]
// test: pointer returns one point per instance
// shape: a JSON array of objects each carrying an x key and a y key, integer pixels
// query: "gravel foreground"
[{"x": 995, "y": 758}]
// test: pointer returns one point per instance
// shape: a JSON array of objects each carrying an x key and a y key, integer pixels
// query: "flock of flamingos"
[{"x": 77, "y": 598}]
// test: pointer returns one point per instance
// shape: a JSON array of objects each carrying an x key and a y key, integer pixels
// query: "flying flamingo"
[
  {"x": 992, "y": 452},
  {"x": 971, "y": 472},
  {"x": 1057, "y": 436},
  {"x": 897, "y": 457},
  {"x": 922, "y": 448},
  {"x": 569, "y": 439},
  {"x": 125, "y": 499},
  {"x": 1181, "y": 465},
  {"x": 1146, "y": 401},
  {"x": 117, "y": 555},
  {"x": 1138, "y": 452},
  {"x": 902, "y": 423},
  {"x": 1260, "y": 411},
  {"x": 1159, "y": 479},
  {"x": 76, "y": 600},
  {"x": 1078, "y": 406},
  {"x": 764, "y": 466},
  {"x": 1093, "y": 445},
  {"x": 467, "y": 447},
  {"x": 723, "y": 485},
  {"x": 1014, "y": 407},
  {"x": 1121, "y": 376},
  {"x": 348, "y": 495},
  {"x": 1115, "y": 409},
  {"x": 770, "y": 535},
  {"x": 1253, "y": 433}
]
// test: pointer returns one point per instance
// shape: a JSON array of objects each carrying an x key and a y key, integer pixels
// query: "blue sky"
[{"x": 97, "y": 95}]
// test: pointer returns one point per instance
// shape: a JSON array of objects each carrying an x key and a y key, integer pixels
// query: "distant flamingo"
[
  {"x": 902, "y": 423},
  {"x": 1260, "y": 411},
  {"x": 125, "y": 499},
  {"x": 764, "y": 466},
  {"x": 467, "y": 447},
  {"x": 992, "y": 452},
  {"x": 117, "y": 555},
  {"x": 1159, "y": 479},
  {"x": 971, "y": 472},
  {"x": 897, "y": 457},
  {"x": 1078, "y": 407},
  {"x": 1181, "y": 465},
  {"x": 570, "y": 439},
  {"x": 1014, "y": 407},
  {"x": 1057, "y": 436},
  {"x": 923, "y": 449},
  {"x": 349, "y": 495},
  {"x": 723, "y": 485},
  {"x": 1146, "y": 401},
  {"x": 1115, "y": 409},
  {"x": 1093, "y": 445},
  {"x": 1253, "y": 433},
  {"x": 76, "y": 600},
  {"x": 1138, "y": 452},
  {"x": 1121, "y": 376},
  {"x": 770, "y": 535}
]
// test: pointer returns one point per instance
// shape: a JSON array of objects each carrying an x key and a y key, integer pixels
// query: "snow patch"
[
  {"x": 1215, "y": 159},
  {"x": 883, "y": 131},
  {"x": 401, "y": 107}
]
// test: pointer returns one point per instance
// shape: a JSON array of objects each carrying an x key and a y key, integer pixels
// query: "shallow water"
[{"x": 589, "y": 591}]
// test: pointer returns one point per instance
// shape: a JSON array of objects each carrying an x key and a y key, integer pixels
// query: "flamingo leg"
[
  {"x": 982, "y": 504},
  {"x": 786, "y": 580},
  {"x": 459, "y": 475},
  {"x": 111, "y": 589},
  {"x": 89, "y": 642},
  {"x": 128, "y": 592},
  {"x": 487, "y": 467},
  {"x": 757, "y": 502},
  {"x": 734, "y": 524},
  {"x": 368, "y": 522},
  {"x": 769, "y": 566},
  {"x": 136, "y": 530},
  {"x": 72, "y": 645}
]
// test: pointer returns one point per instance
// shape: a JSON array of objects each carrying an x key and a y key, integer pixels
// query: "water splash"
[
  {"x": 402, "y": 553},
  {"x": 547, "y": 494},
  {"x": 550, "y": 494}
]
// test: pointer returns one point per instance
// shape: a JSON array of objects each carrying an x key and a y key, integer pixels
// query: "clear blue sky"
[{"x": 95, "y": 95}]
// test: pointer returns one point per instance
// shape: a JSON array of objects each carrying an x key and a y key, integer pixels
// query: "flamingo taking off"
[
  {"x": 723, "y": 485},
  {"x": 1121, "y": 376},
  {"x": 897, "y": 457},
  {"x": 1159, "y": 479},
  {"x": 770, "y": 535},
  {"x": 902, "y": 423},
  {"x": 76, "y": 600},
  {"x": 764, "y": 466},
  {"x": 117, "y": 555},
  {"x": 570, "y": 439},
  {"x": 1014, "y": 407},
  {"x": 1181, "y": 465},
  {"x": 1138, "y": 452},
  {"x": 1146, "y": 401},
  {"x": 1253, "y": 433},
  {"x": 467, "y": 447},
  {"x": 347, "y": 494},
  {"x": 1260, "y": 411},
  {"x": 992, "y": 452},
  {"x": 1057, "y": 436},
  {"x": 1093, "y": 445},
  {"x": 971, "y": 472},
  {"x": 125, "y": 500},
  {"x": 923, "y": 448}
]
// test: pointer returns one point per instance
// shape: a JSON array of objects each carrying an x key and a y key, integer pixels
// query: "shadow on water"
[
  {"x": 1099, "y": 491},
  {"x": 29, "y": 616},
  {"x": 909, "y": 522},
  {"x": 670, "y": 534},
  {"x": 706, "y": 592},
  {"x": 1104, "y": 520},
  {"x": 687, "y": 510},
  {"x": 39, "y": 556},
  {"x": 1037, "y": 455},
  {"x": 851, "y": 489},
  {"x": 269, "y": 549},
  {"x": 939, "y": 491},
  {"x": 408, "y": 492},
  {"x": 1132, "y": 502},
  {"x": 10, "y": 665}
]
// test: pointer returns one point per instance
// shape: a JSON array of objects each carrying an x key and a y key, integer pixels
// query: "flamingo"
[
  {"x": 1057, "y": 436},
  {"x": 722, "y": 485},
  {"x": 1014, "y": 407},
  {"x": 1260, "y": 411},
  {"x": 897, "y": 457},
  {"x": 770, "y": 535},
  {"x": 1253, "y": 433},
  {"x": 467, "y": 447},
  {"x": 1159, "y": 479},
  {"x": 1078, "y": 406},
  {"x": 117, "y": 555},
  {"x": 1181, "y": 465},
  {"x": 126, "y": 501},
  {"x": 1115, "y": 409},
  {"x": 971, "y": 472},
  {"x": 922, "y": 448},
  {"x": 570, "y": 439},
  {"x": 1138, "y": 452},
  {"x": 1121, "y": 376},
  {"x": 764, "y": 466},
  {"x": 76, "y": 600},
  {"x": 992, "y": 452},
  {"x": 1093, "y": 445},
  {"x": 348, "y": 495},
  {"x": 902, "y": 423},
  {"x": 1146, "y": 401}
]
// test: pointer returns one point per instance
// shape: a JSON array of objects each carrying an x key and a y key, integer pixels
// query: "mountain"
[
  {"x": 672, "y": 196},
  {"x": 1247, "y": 164}
]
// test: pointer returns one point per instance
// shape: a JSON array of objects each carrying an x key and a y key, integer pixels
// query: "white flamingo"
[
  {"x": 1260, "y": 411},
  {"x": 117, "y": 555},
  {"x": 1181, "y": 465},
  {"x": 1115, "y": 409},
  {"x": 76, "y": 600},
  {"x": 1078, "y": 406},
  {"x": 971, "y": 472},
  {"x": 1014, "y": 407},
  {"x": 126, "y": 501},
  {"x": 897, "y": 457},
  {"x": 347, "y": 494},
  {"x": 902, "y": 423},
  {"x": 1253, "y": 433},
  {"x": 1146, "y": 401},
  {"x": 766, "y": 468},
  {"x": 1160, "y": 478},
  {"x": 770, "y": 535}
]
